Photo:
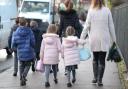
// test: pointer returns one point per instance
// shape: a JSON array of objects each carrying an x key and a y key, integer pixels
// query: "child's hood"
[
  {"x": 50, "y": 38},
  {"x": 70, "y": 41}
]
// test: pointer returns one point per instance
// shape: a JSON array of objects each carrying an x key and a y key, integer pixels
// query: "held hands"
[{"x": 81, "y": 43}]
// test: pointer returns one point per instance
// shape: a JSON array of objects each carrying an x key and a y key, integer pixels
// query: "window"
[{"x": 29, "y": 6}]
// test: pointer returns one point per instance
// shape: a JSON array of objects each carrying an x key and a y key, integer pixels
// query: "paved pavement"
[
  {"x": 84, "y": 77},
  {"x": 6, "y": 61}
]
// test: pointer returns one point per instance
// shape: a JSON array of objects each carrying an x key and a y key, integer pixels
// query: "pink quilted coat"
[
  {"x": 70, "y": 51},
  {"x": 50, "y": 48}
]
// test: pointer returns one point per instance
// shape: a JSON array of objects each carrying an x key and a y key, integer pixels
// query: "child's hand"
[{"x": 82, "y": 42}]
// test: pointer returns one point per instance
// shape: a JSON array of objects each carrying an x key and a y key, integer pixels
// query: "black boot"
[
  {"x": 73, "y": 80},
  {"x": 69, "y": 85},
  {"x": 47, "y": 84},
  {"x": 56, "y": 81},
  {"x": 15, "y": 74},
  {"x": 100, "y": 75},
  {"x": 100, "y": 83},
  {"x": 95, "y": 72}
]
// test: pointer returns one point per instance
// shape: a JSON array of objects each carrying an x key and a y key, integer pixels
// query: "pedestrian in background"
[
  {"x": 69, "y": 17},
  {"x": 49, "y": 52},
  {"x": 82, "y": 17},
  {"x": 70, "y": 54},
  {"x": 101, "y": 29},
  {"x": 38, "y": 39},
  {"x": 23, "y": 41},
  {"x": 13, "y": 29}
]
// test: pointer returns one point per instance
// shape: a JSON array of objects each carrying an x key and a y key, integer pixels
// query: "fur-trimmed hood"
[
  {"x": 70, "y": 41},
  {"x": 49, "y": 38}
]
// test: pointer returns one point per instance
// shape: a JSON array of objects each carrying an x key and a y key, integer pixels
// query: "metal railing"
[{"x": 120, "y": 17}]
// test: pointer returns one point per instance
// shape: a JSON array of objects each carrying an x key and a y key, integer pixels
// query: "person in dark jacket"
[
  {"x": 38, "y": 39},
  {"x": 69, "y": 17},
  {"x": 13, "y": 29},
  {"x": 23, "y": 41}
]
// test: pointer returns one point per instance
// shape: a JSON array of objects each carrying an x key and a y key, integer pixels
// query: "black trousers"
[{"x": 99, "y": 65}]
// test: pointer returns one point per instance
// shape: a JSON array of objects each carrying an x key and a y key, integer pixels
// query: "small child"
[
  {"x": 23, "y": 41},
  {"x": 13, "y": 29},
  {"x": 38, "y": 39},
  {"x": 70, "y": 54},
  {"x": 49, "y": 52}
]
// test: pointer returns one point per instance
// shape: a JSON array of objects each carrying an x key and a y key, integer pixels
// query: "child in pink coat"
[
  {"x": 70, "y": 53},
  {"x": 49, "y": 52}
]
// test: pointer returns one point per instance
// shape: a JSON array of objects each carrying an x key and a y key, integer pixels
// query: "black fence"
[{"x": 120, "y": 16}]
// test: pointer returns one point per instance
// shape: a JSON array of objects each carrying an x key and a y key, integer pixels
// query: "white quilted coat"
[{"x": 101, "y": 29}]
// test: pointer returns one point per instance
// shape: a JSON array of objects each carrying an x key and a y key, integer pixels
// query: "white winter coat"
[
  {"x": 101, "y": 29},
  {"x": 50, "y": 49},
  {"x": 70, "y": 51}
]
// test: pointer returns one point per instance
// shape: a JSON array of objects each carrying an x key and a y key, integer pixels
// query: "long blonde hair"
[
  {"x": 52, "y": 28},
  {"x": 97, "y": 4}
]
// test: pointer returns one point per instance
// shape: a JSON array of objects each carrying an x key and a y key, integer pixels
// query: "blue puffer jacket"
[{"x": 23, "y": 40}]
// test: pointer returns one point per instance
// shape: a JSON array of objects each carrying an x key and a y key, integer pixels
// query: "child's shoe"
[
  {"x": 47, "y": 84},
  {"x": 73, "y": 80},
  {"x": 14, "y": 74},
  {"x": 99, "y": 83},
  {"x": 94, "y": 81},
  {"x": 51, "y": 71},
  {"x": 69, "y": 85},
  {"x": 56, "y": 81},
  {"x": 23, "y": 82}
]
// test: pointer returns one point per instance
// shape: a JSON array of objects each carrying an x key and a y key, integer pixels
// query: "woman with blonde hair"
[{"x": 101, "y": 29}]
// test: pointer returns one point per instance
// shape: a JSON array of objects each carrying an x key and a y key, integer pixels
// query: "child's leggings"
[
  {"x": 73, "y": 74},
  {"x": 47, "y": 71}
]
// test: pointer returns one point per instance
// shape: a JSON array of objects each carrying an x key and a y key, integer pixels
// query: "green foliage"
[
  {"x": 109, "y": 4},
  {"x": 122, "y": 74}
]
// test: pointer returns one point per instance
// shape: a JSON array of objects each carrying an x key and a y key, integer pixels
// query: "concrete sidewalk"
[{"x": 84, "y": 77}]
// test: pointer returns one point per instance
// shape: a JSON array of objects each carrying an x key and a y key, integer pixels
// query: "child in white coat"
[
  {"x": 70, "y": 54},
  {"x": 49, "y": 52}
]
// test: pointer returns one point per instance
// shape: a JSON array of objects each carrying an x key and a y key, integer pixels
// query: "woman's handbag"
[
  {"x": 85, "y": 54},
  {"x": 40, "y": 66},
  {"x": 114, "y": 53}
]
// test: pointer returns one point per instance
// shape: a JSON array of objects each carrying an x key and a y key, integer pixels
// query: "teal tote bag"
[{"x": 85, "y": 54}]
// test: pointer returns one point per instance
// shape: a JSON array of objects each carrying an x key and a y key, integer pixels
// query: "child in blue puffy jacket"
[{"x": 23, "y": 41}]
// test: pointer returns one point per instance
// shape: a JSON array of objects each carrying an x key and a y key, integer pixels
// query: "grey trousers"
[
  {"x": 47, "y": 71},
  {"x": 15, "y": 62},
  {"x": 69, "y": 75}
]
